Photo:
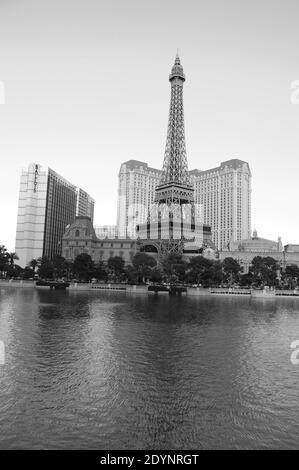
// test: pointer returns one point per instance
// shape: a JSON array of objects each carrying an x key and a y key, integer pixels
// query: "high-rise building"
[
  {"x": 222, "y": 198},
  {"x": 47, "y": 204},
  {"x": 224, "y": 194},
  {"x": 136, "y": 193},
  {"x": 85, "y": 204},
  {"x": 106, "y": 231}
]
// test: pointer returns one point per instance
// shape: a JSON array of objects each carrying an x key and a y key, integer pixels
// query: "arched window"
[{"x": 77, "y": 233}]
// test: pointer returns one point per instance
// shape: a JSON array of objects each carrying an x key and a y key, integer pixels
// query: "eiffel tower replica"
[{"x": 171, "y": 224}]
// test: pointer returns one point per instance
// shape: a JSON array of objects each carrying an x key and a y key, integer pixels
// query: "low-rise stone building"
[
  {"x": 291, "y": 254},
  {"x": 245, "y": 250},
  {"x": 80, "y": 237}
]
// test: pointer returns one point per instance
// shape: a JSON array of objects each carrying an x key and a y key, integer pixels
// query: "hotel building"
[
  {"x": 224, "y": 194},
  {"x": 136, "y": 193},
  {"x": 222, "y": 198},
  {"x": 106, "y": 231},
  {"x": 85, "y": 204},
  {"x": 47, "y": 204}
]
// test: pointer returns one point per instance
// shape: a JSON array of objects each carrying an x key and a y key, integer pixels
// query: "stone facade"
[
  {"x": 291, "y": 254},
  {"x": 247, "y": 249},
  {"x": 80, "y": 237}
]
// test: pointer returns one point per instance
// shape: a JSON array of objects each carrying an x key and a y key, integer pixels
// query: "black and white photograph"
[{"x": 149, "y": 228}]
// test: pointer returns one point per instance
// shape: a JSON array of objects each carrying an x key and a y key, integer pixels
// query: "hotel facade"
[
  {"x": 222, "y": 198},
  {"x": 47, "y": 204}
]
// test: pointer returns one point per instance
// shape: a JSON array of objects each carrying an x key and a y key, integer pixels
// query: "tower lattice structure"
[{"x": 174, "y": 195}]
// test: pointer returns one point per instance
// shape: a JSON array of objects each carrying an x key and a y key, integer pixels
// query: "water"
[{"x": 105, "y": 370}]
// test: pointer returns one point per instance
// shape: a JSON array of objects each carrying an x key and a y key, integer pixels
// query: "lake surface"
[{"x": 108, "y": 370}]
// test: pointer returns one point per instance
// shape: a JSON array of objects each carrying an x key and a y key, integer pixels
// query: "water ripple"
[{"x": 106, "y": 370}]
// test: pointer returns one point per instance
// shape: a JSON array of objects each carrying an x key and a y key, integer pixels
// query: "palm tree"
[
  {"x": 11, "y": 257},
  {"x": 3, "y": 258},
  {"x": 33, "y": 264}
]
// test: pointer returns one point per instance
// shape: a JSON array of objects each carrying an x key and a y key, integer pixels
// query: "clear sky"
[{"x": 86, "y": 88}]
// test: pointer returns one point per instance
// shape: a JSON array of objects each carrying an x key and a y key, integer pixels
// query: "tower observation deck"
[{"x": 175, "y": 186}]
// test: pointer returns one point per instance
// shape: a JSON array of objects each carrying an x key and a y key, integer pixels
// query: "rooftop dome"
[{"x": 255, "y": 243}]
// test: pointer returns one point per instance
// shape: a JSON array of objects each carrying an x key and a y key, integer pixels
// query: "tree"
[
  {"x": 83, "y": 267},
  {"x": 131, "y": 274},
  {"x": 27, "y": 273},
  {"x": 174, "y": 267},
  {"x": 14, "y": 271},
  {"x": 11, "y": 257},
  {"x": 291, "y": 276},
  {"x": 45, "y": 269},
  {"x": 213, "y": 275},
  {"x": 231, "y": 270},
  {"x": 7, "y": 261},
  {"x": 264, "y": 271},
  {"x": 143, "y": 264},
  {"x": 100, "y": 272},
  {"x": 61, "y": 267},
  {"x": 4, "y": 262},
  {"x": 116, "y": 268},
  {"x": 33, "y": 264},
  {"x": 197, "y": 269},
  {"x": 245, "y": 279},
  {"x": 156, "y": 275}
]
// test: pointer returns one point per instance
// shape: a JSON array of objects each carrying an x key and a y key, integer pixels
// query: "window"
[{"x": 77, "y": 233}]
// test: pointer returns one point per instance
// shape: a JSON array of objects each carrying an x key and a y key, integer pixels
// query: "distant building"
[
  {"x": 136, "y": 193},
  {"x": 85, "y": 204},
  {"x": 291, "y": 254},
  {"x": 80, "y": 237},
  {"x": 47, "y": 204},
  {"x": 106, "y": 231},
  {"x": 222, "y": 198},
  {"x": 224, "y": 194},
  {"x": 245, "y": 250}
]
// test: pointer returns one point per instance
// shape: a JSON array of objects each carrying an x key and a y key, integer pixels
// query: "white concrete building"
[
  {"x": 106, "y": 231},
  {"x": 136, "y": 193},
  {"x": 224, "y": 193},
  {"x": 85, "y": 204},
  {"x": 222, "y": 198}
]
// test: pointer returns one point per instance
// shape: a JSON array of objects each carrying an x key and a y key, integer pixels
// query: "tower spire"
[
  {"x": 172, "y": 221},
  {"x": 175, "y": 168}
]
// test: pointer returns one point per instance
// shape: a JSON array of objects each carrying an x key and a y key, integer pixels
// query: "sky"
[{"x": 84, "y": 87}]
